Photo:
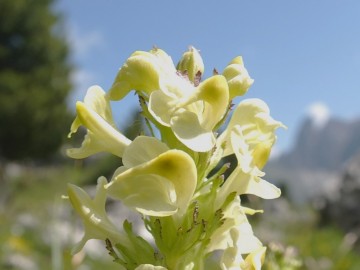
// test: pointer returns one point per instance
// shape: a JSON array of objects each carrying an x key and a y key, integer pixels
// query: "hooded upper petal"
[
  {"x": 237, "y": 77},
  {"x": 142, "y": 71},
  {"x": 95, "y": 114}
]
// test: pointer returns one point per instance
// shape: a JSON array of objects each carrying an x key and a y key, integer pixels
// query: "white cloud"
[
  {"x": 82, "y": 43},
  {"x": 319, "y": 114}
]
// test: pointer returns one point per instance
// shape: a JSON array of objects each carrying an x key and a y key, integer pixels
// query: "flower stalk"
[{"x": 176, "y": 182}]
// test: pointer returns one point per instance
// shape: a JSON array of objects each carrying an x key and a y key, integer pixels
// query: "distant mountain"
[
  {"x": 324, "y": 147},
  {"x": 344, "y": 209},
  {"x": 314, "y": 165}
]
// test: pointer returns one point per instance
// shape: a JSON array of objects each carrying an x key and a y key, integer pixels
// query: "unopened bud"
[
  {"x": 191, "y": 63},
  {"x": 237, "y": 77}
]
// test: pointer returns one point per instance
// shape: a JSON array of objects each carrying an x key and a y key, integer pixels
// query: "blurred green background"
[{"x": 314, "y": 225}]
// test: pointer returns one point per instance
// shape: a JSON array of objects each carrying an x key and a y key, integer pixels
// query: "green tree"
[{"x": 34, "y": 80}]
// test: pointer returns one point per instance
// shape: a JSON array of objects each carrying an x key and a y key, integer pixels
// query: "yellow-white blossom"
[
  {"x": 154, "y": 181},
  {"x": 257, "y": 126},
  {"x": 236, "y": 231},
  {"x": 102, "y": 135},
  {"x": 191, "y": 112},
  {"x": 175, "y": 182},
  {"x": 237, "y": 77},
  {"x": 246, "y": 178},
  {"x": 143, "y": 72},
  {"x": 92, "y": 212}
]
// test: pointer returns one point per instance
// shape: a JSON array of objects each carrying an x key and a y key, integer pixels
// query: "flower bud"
[
  {"x": 191, "y": 63},
  {"x": 237, "y": 77}
]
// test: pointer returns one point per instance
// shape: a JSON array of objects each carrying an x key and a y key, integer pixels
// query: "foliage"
[{"x": 34, "y": 80}]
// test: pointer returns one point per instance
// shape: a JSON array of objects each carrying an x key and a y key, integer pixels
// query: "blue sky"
[{"x": 300, "y": 53}]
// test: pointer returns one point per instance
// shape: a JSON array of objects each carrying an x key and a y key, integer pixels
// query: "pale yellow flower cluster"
[{"x": 176, "y": 181}]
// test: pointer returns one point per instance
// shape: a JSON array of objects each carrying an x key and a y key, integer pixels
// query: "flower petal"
[
  {"x": 188, "y": 130},
  {"x": 143, "y": 149},
  {"x": 235, "y": 232},
  {"x": 148, "y": 194},
  {"x": 215, "y": 94},
  {"x": 162, "y": 106},
  {"x": 255, "y": 259},
  {"x": 243, "y": 183},
  {"x": 237, "y": 77},
  {"x": 174, "y": 165},
  {"x": 253, "y": 116},
  {"x": 102, "y": 136},
  {"x": 96, "y": 222},
  {"x": 140, "y": 72},
  {"x": 95, "y": 114}
]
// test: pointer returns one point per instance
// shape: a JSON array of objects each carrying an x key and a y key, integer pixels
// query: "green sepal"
[{"x": 140, "y": 251}]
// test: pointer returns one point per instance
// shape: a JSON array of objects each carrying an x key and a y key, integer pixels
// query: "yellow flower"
[
  {"x": 154, "y": 180},
  {"x": 95, "y": 114},
  {"x": 236, "y": 232},
  {"x": 92, "y": 211},
  {"x": 237, "y": 77},
  {"x": 246, "y": 178},
  {"x": 254, "y": 260},
  {"x": 191, "y": 112},
  {"x": 256, "y": 124},
  {"x": 143, "y": 72}
]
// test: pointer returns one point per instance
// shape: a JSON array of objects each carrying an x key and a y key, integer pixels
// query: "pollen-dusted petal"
[
  {"x": 102, "y": 135},
  {"x": 175, "y": 166},
  {"x": 188, "y": 130},
  {"x": 143, "y": 149}
]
